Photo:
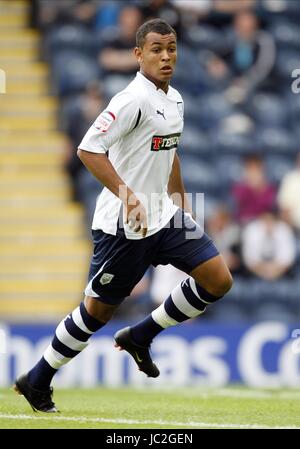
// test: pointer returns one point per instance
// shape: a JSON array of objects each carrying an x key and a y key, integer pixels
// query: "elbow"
[{"x": 79, "y": 154}]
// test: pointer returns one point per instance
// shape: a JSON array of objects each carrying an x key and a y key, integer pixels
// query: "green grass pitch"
[{"x": 181, "y": 408}]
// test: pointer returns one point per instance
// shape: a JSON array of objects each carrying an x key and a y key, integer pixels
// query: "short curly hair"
[{"x": 159, "y": 26}]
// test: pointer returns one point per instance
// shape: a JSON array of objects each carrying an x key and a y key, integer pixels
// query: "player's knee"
[
  {"x": 99, "y": 310},
  {"x": 223, "y": 285}
]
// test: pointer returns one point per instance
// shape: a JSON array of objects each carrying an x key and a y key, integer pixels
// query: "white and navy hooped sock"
[
  {"x": 186, "y": 301},
  {"x": 71, "y": 337}
]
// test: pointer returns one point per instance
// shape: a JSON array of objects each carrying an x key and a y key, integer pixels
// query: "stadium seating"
[
  {"x": 287, "y": 60},
  {"x": 72, "y": 71},
  {"x": 199, "y": 176},
  {"x": 278, "y": 166},
  {"x": 207, "y": 37},
  {"x": 286, "y": 34},
  {"x": 70, "y": 37},
  {"x": 268, "y": 109},
  {"x": 112, "y": 84},
  {"x": 211, "y": 148},
  {"x": 230, "y": 169},
  {"x": 196, "y": 142},
  {"x": 188, "y": 74},
  {"x": 235, "y": 144},
  {"x": 40, "y": 229},
  {"x": 212, "y": 108},
  {"x": 276, "y": 140}
]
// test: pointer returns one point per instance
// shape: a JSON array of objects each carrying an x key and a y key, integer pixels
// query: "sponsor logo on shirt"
[
  {"x": 168, "y": 142},
  {"x": 104, "y": 120}
]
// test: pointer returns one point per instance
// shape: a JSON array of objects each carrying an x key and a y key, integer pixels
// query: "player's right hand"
[{"x": 136, "y": 216}]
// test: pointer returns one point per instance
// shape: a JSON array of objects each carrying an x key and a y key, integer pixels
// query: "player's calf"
[{"x": 213, "y": 278}]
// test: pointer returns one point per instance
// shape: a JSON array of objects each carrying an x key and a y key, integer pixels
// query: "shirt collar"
[{"x": 150, "y": 84}]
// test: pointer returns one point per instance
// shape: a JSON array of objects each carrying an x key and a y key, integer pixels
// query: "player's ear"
[{"x": 138, "y": 54}]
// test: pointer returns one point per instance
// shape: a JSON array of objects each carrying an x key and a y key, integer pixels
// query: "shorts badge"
[{"x": 106, "y": 278}]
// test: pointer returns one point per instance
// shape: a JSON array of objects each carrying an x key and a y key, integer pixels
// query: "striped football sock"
[
  {"x": 71, "y": 337},
  {"x": 187, "y": 300}
]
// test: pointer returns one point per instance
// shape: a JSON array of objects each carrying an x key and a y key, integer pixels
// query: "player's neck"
[{"x": 163, "y": 85}]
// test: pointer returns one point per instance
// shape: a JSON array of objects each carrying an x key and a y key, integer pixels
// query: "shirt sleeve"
[{"x": 117, "y": 120}]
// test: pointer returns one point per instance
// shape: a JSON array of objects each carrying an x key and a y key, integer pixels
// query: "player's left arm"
[{"x": 176, "y": 188}]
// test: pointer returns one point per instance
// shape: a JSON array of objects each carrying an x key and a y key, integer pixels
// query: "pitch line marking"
[{"x": 133, "y": 421}]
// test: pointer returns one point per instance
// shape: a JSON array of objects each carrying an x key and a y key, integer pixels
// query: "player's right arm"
[
  {"x": 100, "y": 166},
  {"x": 117, "y": 120}
]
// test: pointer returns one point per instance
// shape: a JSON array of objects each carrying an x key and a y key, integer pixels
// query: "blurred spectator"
[
  {"x": 253, "y": 195},
  {"x": 232, "y": 6},
  {"x": 222, "y": 11},
  {"x": 107, "y": 15},
  {"x": 163, "y": 9},
  {"x": 251, "y": 58},
  {"x": 116, "y": 55},
  {"x": 79, "y": 118},
  {"x": 268, "y": 247},
  {"x": 164, "y": 279},
  {"x": 219, "y": 74},
  {"x": 192, "y": 12},
  {"x": 226, "y": 235},
  {"x": 288, "y": 196},
  {"x": 53, "y": 12}
]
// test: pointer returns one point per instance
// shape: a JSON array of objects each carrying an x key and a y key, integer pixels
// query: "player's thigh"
[
  {"x": 213, "y": 275},
  {"x": 116, "y": 267},
  {"x": 186, "y": 246}
]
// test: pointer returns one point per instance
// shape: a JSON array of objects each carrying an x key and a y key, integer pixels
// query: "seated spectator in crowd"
[
  {"x": 226, "y": 235},
  {"x": 232, "y": 6},
  {"x": 288, "y": 196},
  {"x": 116, "y": 55},
  {"x": 254, "y": 194},
  {"x": 164, "y": 279},
  {"x": 51, "y": 13},
  {"x": 252, "y": 56},
  {"x": 268, "y": 247},
  {"x": 107, "y": 15},
  {"x": 192, "y": 12},
  {"x": 163, "y": 9}
]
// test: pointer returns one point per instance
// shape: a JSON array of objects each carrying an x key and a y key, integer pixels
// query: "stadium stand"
[
  {"x": 228, "y": 117},
  {"x": 40, "y": 228}
]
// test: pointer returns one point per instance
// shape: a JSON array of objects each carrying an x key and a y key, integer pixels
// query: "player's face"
[{"x": 158, "y": 57}]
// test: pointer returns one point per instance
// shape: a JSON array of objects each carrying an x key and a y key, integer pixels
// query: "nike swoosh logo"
[{"x": 137, "y": 357}]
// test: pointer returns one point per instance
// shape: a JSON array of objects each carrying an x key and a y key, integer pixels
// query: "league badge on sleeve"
[{"x": 104, "y": 121}]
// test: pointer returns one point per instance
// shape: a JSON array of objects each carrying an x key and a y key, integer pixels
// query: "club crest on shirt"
[
  {"x": 104, "y": 121},
  {"x": 168, "y": 142},
  {"x": 180, "y": 108}
]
